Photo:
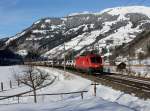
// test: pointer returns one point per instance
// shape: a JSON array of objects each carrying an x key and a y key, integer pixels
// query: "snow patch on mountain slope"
[
  {"x": 74, "y": 14},
  {"x": 15, "y": 37},
  {"x": 122, "y": 35},
  {"x": 128, "y": 9},
  {"x": 37, "y": 22},
  {"x": 74, "y": 29},
  {"x": 39, "y": 31},
  {"x": 107, "y": 26},
  {"x": 43, "y": 26},
  {"x": 120, "y": 11},
  {"x": 53, "y": 27},
  {"x": 48, "y": 21},
  {"x": 22, "y": 52},
  {"x": 34, "y": 38}
]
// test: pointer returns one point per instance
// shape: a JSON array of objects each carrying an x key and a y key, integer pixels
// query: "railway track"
[
  {"x": 117, "y": 82},
  {"x": 129, "y": 81},
  {"x": 142, "y": 83},
  {"x": 140, "y": 87}
]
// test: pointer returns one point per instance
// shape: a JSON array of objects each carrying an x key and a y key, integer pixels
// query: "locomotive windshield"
[{"x": 95, "y": 59}]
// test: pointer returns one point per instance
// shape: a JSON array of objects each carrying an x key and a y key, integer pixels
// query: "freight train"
[{"x": 87, "y": 63}]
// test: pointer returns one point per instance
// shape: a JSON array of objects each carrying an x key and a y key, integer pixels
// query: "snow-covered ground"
[
  {"x": 7, "y": 73},
  {"x": 107, "y": 98}
]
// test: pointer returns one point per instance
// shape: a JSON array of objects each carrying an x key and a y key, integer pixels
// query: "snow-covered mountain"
[{"x": 82, "y": 31}]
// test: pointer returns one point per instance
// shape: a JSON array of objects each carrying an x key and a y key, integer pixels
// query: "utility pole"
[
  {"x": 129, "y": 60},
  {"x": 64, "y": 57},
  {"x": 53, "y": 62},
  {"x": 95, "y": 88},
  {"x": 108, "y": 51}
]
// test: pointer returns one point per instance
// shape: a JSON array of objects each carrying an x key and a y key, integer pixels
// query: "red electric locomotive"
[{"x": 89, "y": 63}]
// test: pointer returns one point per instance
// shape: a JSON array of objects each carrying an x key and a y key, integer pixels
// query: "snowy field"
[{"x": 107, "y": 99}]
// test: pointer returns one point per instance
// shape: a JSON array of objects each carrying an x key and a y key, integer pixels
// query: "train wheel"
[
  {"x": 101, "y": 70},
  {"x": 90, "y": 71}
]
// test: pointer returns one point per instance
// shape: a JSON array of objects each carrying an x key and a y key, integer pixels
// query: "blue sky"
[{"x": 16, "y": 15}]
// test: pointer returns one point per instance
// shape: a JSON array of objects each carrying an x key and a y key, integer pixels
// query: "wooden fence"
[
  {"x": 10, "y": 84},
  {"x": 19, "y": 96}
]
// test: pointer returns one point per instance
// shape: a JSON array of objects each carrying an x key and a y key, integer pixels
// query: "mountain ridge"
[{"x": 106, "y": 29}]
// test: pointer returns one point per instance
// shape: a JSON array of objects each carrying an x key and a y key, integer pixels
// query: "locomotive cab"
[
  {"x": 95, "y": 63},
  {"x": 89, "y": 63}
]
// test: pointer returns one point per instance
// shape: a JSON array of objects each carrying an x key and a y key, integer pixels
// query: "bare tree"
[
  {"x": 32, "y": 78},
  {"x": 141, "y": 56}
]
